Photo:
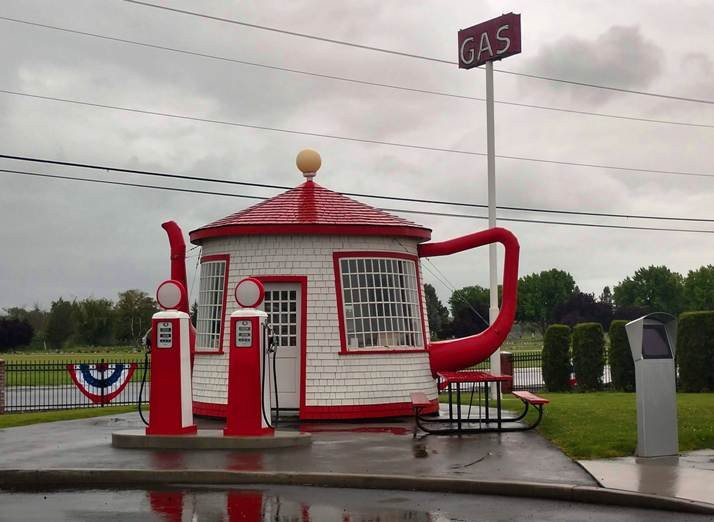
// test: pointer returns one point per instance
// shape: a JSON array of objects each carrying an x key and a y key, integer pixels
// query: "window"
[
  {"x": 211, "y": 298},
  {"x": 281, "y": 307},
  {"x": 380, "y": 302}
]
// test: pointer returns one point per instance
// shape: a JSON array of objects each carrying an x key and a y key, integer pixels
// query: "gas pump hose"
[{"x": 141, "y": 388}]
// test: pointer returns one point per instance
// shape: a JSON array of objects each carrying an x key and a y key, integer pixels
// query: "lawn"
[
  {"x": 10, "y": 420},
  {"x": 48, "y": 369},
  {"x": 523, "y": 344},
  {"x": 604, "y": 424},
  {"x": 125, "y": 354}
]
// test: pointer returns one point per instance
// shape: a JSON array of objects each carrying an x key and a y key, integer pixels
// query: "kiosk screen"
[{"x": 654, "y": 342}]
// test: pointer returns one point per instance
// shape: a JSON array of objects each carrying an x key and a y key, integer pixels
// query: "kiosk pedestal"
[{"x": 653, "y": 341}]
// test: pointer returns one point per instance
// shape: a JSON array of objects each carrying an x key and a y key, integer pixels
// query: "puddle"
[{"x": 178, "y": 505}]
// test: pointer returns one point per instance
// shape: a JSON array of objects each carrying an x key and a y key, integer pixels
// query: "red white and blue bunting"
[{"x": 101, "y": 382}]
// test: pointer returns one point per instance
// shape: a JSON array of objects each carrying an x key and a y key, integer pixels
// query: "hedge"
[
  {"x": 619, "y": 355},
  {"x": 588, "y": 355},
  {"x": 695, "y": 351},
  {"x": 556, "y": 357}
]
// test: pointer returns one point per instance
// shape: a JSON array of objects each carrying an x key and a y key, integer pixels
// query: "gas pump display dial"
[
  {"x": 165, "y": 335},
  {"x": 244, "y": 334}
]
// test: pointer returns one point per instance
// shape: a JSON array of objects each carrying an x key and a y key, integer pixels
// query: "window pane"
[
  {"x": 210, "y": 305},
  {"x": 380, "y": 302}
]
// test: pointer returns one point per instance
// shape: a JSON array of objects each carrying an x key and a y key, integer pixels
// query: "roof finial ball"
[{"x": 308, "y": 161}]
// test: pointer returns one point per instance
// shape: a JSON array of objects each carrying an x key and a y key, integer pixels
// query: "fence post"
[
  {"x": 2, "y": 386},
  {"x": 507, "y": 369}
]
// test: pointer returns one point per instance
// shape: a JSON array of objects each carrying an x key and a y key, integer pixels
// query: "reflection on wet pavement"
[{"x": 303, "y": 504}]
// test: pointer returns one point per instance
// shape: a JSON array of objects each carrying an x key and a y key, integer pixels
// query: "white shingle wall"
[{"x": 331, "y": 379}]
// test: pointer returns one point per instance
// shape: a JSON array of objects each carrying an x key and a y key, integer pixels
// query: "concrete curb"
[
  {"x": 22, "y": 479},
  {"x": 208, "y": 440}
]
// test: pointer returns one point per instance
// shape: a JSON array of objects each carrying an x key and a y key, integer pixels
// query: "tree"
[
  {"x": 60, "y": 324},
  {"x": 133, "y": 311},
  {"x": 437, "y": 314},
  {"x": 656, "y": 288},
  {"x": 588, "y": 355},
  {"x": 699, "y": 289},
  {"x": 14, "y": 332},
  {"x": 606, "y": 297},
  {"x": 36, "y": 317},
  {"x": 469, "y": 310},
  {"x": 540, "y": 294},
  {"x": 194, "y": 312},
  {"x": 583, "y": 308},
  {"x": 556, "y": 358},
  {"x": 94, "y": 321}
]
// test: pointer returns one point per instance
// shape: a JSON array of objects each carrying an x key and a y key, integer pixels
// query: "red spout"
[
  {"x": 178, "y": 272},
  {"x": 461, "y": 353}
]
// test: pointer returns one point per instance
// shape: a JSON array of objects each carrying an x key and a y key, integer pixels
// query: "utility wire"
[
  {"x": 519, "y": 220},
  {"x": 411, "y": 55},
  {"x": 354, "y": 139},
  {"x": 124, "y": 184},
  {"x": 353, "y": 80},
  {"x": 353, "y": 194},
  {"x": 469, "y": 216}
]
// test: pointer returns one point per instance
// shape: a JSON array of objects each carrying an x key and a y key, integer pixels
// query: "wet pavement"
[
  {"x": 385, "y": 448},
  {"x": 689, "y": 476},
  {"x": 306, "y": 504}
]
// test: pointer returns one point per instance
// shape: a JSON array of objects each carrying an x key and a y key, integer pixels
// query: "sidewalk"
[
  {"x": 689, "y": 476},
  {"x": 371, "y": 455}
]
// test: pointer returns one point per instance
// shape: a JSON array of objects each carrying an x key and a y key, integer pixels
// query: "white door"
[{"x": 282, "y": 304}]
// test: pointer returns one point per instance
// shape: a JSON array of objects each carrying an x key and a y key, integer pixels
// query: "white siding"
[{"x": 331, "y": 379}]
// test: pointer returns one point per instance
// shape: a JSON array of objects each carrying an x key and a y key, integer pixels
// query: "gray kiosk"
[{"x": 653, "y": 341}]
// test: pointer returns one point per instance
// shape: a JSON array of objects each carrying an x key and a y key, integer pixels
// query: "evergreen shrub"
[
  {"x": 556, "y": 357},
  {"x": 695, "y": 351},
  {"x": 619, "y": 356},
  {"x": 588, "y": 355}
]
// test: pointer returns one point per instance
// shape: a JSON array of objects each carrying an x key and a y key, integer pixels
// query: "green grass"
[
  {"x": 53, "y": 374},
  {"x": 604, "y": 424},
  {"x": 49, "y": 357},
  {"x": 523, "y": 344},
  {"x": 10, "y": 420}
]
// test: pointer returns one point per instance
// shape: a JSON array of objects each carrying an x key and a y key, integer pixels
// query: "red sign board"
[{"x": 490, "y": 40}]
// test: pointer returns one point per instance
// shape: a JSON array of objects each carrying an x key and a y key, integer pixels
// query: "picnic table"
[{"x": 480, "y": 382}]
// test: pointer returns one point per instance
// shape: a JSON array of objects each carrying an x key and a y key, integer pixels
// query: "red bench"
[{"x": 530, "y": 399}]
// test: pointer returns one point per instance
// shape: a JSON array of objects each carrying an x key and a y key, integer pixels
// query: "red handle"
[{"x": 457, "y": 354}]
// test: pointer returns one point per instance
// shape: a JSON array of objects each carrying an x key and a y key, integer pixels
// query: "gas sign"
[{"x": 491, "y": 40}]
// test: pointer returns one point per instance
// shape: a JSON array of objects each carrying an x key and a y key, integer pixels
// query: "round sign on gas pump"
[
  {"x": 249, "y": 292},
  {"x": 169, "y": 294}
]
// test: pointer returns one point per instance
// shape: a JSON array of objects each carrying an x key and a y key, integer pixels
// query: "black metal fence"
[
  {"x": 33, "y": 386},
  {"x": 39, "y": 386}
]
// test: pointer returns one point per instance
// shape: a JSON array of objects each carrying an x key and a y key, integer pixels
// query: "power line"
[
  {"x": 543, "y": 222},
  {"x": 351, "y": 138},
  {"x": 124, "y": 184},
  {"x": 354, "y": 80},
  {"x": 212, "y": 193},
  {"x": 411, "y": 55},
  {"x": 354, "y": 194}
]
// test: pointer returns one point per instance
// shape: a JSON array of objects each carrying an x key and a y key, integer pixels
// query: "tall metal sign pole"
[{"x": 483, "y": 44}]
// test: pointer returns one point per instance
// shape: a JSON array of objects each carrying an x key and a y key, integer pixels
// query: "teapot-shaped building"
[{"x": 344, "y": 295}]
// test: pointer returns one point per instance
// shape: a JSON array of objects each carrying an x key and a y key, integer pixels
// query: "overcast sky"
[{"x": 72, "y": 239}]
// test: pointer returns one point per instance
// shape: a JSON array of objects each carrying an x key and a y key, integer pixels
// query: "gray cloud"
[
  {"x": 621, "y": 57},
  {"x": 62, "y": 238}
]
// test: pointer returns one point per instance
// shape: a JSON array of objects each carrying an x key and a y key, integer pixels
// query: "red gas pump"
[
  {"x": 249, "y": 404},
  {"x": 170, "y": 402}
]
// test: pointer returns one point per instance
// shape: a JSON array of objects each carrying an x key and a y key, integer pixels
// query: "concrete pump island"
[{"x": 309, "y": 390}]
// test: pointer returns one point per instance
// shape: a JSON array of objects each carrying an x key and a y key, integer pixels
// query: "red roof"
[{"x": 311, "y": 209}]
